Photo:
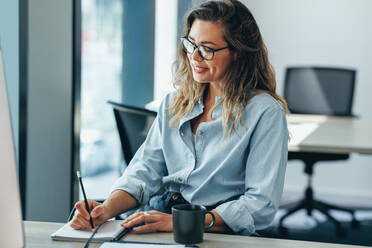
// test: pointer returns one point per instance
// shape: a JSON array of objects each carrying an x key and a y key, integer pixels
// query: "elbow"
[
  {"x": 263, "y": 218},
  {"x": 244, "y": 219}
]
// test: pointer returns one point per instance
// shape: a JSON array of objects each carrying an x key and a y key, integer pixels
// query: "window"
[
  {"x": 101, "y": 159},
  {"x": 101, "y": 66},
  {"x": 166, "y": 42}
]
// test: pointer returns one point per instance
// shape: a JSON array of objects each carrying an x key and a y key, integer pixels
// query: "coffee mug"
[{"x": 188, "y": 223}]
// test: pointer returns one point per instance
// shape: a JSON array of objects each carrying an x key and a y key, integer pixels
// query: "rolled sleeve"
[
  {"x": 143, "y": 176},
  {"x": 264, "y": 176}
]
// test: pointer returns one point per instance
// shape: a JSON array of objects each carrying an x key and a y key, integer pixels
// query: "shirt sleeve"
[
  {"x": 264, "y": 176},
  {"x": 143, "y": 176}
]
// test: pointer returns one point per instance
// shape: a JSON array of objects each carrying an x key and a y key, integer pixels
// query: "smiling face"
[{"x": 209, "y": 34}]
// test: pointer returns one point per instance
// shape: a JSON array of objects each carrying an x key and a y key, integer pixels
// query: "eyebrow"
[{"x": 203, "y": 42}]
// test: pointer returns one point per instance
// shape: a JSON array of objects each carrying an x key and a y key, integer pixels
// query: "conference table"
[
  {"x": 320, "y": 133},
  {"x": 38, "y": 236}
]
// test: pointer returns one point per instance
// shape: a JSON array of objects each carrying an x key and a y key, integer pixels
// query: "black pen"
[{"x": 85, "y": 198}]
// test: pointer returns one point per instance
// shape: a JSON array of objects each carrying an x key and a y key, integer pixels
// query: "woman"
[{"x": 220, "y": 140}]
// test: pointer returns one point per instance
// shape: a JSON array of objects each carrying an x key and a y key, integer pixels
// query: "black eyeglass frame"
[{"x": 183, "y": 39}]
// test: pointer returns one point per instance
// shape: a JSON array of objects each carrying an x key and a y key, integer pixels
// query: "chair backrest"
[
  {"x": 133, "y": 124},
  {"x": 316, "y": 90}
]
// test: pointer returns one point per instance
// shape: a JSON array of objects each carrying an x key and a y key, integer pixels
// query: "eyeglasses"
[{"x": 206, "y": 53}]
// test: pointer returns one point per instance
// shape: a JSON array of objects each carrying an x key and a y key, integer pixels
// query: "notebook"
[{"x": 108, "y": 231}]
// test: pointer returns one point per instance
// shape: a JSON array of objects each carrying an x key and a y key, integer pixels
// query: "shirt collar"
[{"x": 198, "y": 109}]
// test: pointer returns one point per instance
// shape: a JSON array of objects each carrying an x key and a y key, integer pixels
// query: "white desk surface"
[
  {"x": 38, "y": 236},
  {"x": 317, "y": 133}
]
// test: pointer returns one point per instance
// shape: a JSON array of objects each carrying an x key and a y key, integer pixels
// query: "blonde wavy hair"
[{"x": 250, "y": 74}]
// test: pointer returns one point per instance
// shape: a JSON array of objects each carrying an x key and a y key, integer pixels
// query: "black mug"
[{"x": 188, "y": 223}]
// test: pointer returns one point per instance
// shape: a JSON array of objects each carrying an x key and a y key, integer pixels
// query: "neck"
[{"x": 213, "y": 91}]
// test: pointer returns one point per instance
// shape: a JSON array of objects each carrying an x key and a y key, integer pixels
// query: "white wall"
[{"x": 326, "y": 33}]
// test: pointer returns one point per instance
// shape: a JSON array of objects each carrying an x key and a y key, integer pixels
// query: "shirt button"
[
  {"x": 174, "y": 197},
  {"x": 180, "y": 179}
]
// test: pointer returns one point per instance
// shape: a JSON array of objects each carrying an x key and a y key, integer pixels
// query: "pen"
[{"x": 85, "y": 198}]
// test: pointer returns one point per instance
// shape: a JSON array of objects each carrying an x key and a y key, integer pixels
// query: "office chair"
[
  {"x": 325, "y": 91},
  {"x": 133, "y": 124}
]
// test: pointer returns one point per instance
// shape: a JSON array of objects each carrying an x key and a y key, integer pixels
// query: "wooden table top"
[{"x": 38, "y": 236}]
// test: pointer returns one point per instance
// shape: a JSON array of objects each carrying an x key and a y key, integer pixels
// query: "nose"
[{"x": 196, "y": 56}]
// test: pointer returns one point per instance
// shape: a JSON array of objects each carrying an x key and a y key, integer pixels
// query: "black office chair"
[
  {"x": 133, "y": 124},
  {"x": 326, "y": 91}
]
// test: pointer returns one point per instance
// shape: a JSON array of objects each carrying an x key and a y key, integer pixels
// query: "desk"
[
  {"x": 330, "y": 134},
  {"x": 38, "y": 236}
]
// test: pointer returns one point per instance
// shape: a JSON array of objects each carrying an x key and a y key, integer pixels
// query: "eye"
[{"x": 206, "y": 49}]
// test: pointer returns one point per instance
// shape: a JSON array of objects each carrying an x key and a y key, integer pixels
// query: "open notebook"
[{"x": 108, "y": 231}]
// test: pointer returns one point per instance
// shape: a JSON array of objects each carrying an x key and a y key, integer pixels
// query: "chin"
[{"x": 200, "y": 80}]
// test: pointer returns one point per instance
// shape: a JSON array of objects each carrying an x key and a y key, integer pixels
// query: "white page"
[
  {"x": 136, "y": 245},
  {"x": 108, "y": 230}
]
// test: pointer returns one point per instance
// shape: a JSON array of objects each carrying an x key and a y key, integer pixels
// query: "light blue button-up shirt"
[{"x": 244, "y": 172}]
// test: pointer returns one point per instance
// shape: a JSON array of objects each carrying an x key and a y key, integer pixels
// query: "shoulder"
[
  {"x": 263, "y": 112},
  {"x": 168, "y": 98},
  {"x": 167, "y": 101},
  {"x": 165, "y": 105},
  {"x": 263, "y": 108},
  {"x": 263, "y": 103}
]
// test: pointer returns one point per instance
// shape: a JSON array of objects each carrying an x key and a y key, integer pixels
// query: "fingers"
[
  {"x": 132, "y": 216},
  {"x": 92, "y": 204},
  {"x": 137, "y": 214},
  {"x": 80, "y": 207},
  {"x": 147, "y": 227},
  {"x": 81, "y": 217},
  {"x": 79, "y": 222},
  {"x": 139, "y": 218},
  {"x": 95, "y": 207},
  {"x": 156, "y": 221}
]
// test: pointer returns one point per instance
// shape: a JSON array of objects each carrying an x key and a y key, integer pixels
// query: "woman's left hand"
[{"x": 155, "y": 221}]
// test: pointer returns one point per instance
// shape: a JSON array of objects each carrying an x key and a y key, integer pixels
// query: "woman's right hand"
[{"x": 81, "y": 217}]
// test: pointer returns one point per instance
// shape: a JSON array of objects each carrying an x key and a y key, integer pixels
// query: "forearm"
[
  {"x": 118, "y": 202},
  {"x": 219, "y": 225}
]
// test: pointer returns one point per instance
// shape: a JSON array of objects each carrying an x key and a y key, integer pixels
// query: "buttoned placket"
[
  {"x": 199, "y": 141},
  {"x": 186, "y": 136}
]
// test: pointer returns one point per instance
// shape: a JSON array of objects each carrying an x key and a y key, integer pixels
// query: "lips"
[{"x": 199, "y": 69}]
